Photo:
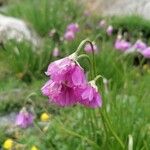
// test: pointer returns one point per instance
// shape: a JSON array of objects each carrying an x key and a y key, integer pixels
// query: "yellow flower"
[
  {"x": 8, "y": 144},
  {"x": 44, "y": 117},
  {"x": 34, "y": 148}
]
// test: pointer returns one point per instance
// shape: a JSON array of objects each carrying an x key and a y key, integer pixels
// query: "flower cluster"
[
  {"x": 127, "y": 47},
  {"x": 103, "y": 25},
  {"x": 71, "y": 31},
  {"x": 68, "y": 86},
  {"x": 122, "y": 44}
]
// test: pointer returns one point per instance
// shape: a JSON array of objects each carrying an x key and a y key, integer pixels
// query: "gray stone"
[
  {"x": 13, "y": 28},
  {"x": 7, "y": 120},
  {"x": 119, "y": 7}
]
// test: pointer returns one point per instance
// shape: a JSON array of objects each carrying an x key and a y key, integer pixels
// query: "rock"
[
  {"x": 7, "y": 120},
  {"x": 128, "y": 7},
  {"x": 13, "y": 28},
  {"x": 119, "y": 7}
]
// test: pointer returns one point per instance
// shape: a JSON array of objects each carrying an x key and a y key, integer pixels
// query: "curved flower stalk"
[{"x": 88, "y": 48}]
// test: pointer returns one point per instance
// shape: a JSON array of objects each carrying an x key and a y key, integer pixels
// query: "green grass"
[
  {"x": 133, "y": 24},
  {"x": 45, "y": 15},
  {"x": 22, "y": 70}
]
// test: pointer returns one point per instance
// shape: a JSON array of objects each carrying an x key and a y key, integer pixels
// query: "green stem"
[
  {"x": 141, "y": 62},
  {"x": 112, "y": 130},
  {"x": 99, "y": 36},
  {"x": 93, "y": 55},
  {"x": 98, "y": 77},
  {"x": 85, "y": 56},
  {"x": 61, "y": 126},
  {"x": 81, "y": 136},
  {"x": 130, "y": 142},
  {"x": 89, "y": 61},
  {"x": 81, "y": 45}
]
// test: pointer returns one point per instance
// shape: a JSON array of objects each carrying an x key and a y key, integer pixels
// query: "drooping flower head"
[
  {"x": 88, "y": 95},
  {"x": 56, "y": 52},
  {"x": 146, "y": 52},
  {"x": 66, "y": 71},
  {"x": 88, "y": 48},
  {"x": 109, "y": 30},
  {"x": 69, "y": 36},
  {"x": 140, "y": 45},
  {"x": 24, "y": 118},
  {"x": 122, "y": 44},
  {"x": 74, "y": 27},
  {"x": 65, "y": 74},
  {"x": 59, "y": 93}
]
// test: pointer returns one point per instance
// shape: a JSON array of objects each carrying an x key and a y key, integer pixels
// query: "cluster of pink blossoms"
[
  {"x": 71, "y": 31},
  {"x": 139, "y": 46},
  {"x": 68, "y": 86},
  {"x": 109, "y": 29},
  {"x": 122, "y": 44}
]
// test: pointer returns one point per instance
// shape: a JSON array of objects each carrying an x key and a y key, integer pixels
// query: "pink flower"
[
  {"x": 122, "y": 45},
  {"x": 24, "y": 119},
  {"x": 69, "y": 35},
  {"x": 66, "y": 71},
  {"x": 88, "y": 95},
  {"x": 59, "y": 94},
  {"x": 102, "y": 23},
  {"x": 50, "y": 88},
  {"x": 109, "y": 30},
  {"x": 88, "y": 48},
  {"x": 56, "y": 52},
  {"x": 146, "y": 52},
  {"x": 74, "y": 27},
  {"x": 140, "y": 45}
]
